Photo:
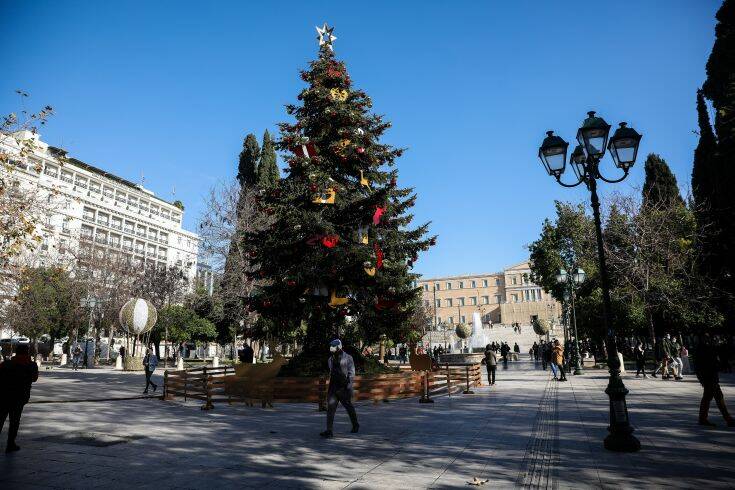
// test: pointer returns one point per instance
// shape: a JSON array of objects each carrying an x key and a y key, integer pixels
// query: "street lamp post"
[
  {"x": 592, "y": 137},
  {"x": 570, "y": 281}
]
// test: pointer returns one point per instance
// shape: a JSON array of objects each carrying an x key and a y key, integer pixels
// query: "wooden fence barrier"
[{"x": 209, "y": 385}]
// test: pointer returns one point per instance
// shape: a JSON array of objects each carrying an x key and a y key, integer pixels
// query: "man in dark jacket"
[
  {"x": 341, "y": 379},
  {"x": 491, "y": 362},
  {"x": 16, "y": 376},
  {"x": 708, "y": 376},
  {"x": 150, "y": 361}
]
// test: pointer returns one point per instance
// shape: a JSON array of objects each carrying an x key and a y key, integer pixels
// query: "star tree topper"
[{"x": 325, "y": 36}]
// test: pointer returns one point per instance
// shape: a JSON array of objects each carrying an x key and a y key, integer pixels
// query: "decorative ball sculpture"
[
  {"x": 541, "y": 326},
  {"x": 138, "y": 316},
  {"x": 463, "y": 331}
]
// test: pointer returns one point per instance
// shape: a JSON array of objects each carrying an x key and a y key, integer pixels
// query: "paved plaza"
[{"x": 528, "y": 431}]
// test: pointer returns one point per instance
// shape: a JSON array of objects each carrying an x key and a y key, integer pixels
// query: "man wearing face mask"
[{"x": 341, "y": 377}]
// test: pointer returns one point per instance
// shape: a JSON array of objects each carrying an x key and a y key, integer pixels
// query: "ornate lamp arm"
[
  {"x": 613, "y": 181},
  {"x": 558, "y": 179}
]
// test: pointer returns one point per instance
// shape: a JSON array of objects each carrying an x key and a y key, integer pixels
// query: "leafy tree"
[
  {"x": 660, "y": 187},
  {"x": 268, "y": 173},
  {"x": 247, "y": 169},
  {"x": 338, "y": 184},
  {"x": 184, "y": 325}
]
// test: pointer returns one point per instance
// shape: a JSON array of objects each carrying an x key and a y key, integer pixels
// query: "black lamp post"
[
  {"x": 570, "y": 281},
  {"x": 585, "y": 162}
]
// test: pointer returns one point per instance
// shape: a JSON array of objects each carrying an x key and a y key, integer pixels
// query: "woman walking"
[{"x": 640, "y": 360}]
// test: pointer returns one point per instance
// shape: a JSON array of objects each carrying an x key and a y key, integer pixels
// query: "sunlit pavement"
[{"x": 527, "y": 431}]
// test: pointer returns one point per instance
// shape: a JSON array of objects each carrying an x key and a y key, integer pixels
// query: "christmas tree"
[{"x": 337, "y": 258}]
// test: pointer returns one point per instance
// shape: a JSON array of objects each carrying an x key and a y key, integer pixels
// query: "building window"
[
  {"x": 473, "y": 284},
  {"x": 438, "y": 303},
  {"x": 515, "y": 298},
  {"x": 448, "y": 301},
  {"x": 538, "y": 292},
  {"x": 460, "y": 301},
  {"x": 426, "y": 303},
  {"x": 486, "y": 300},
  {"x": 451, "y": 319},
  {"x": 514, "y": 280},
  {"x": 484, "y": 283},
  {"x": 426, "y": 287},
  {"x": 462, "y": 319},
  {"x": 437, "y": 287},
  {"x": 461, "y": 285},
  {"x": 438, "y": 320},
  {"x": 473, "y": 300},
  {"x": 527, "y": 294},
  {"x": 497, "y": 281},
  {"x": 449, "y": 286}
]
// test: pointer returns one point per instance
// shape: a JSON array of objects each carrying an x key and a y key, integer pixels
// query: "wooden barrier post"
[
  {"x": 425, "y": 398},
  {"x": 186, "y": 384},
  {"x": 467, "y": 390},
  {"x": 322, "y": 398},
  {"x": 449, "y": 383},
  {"x": 207, "y": 390}
]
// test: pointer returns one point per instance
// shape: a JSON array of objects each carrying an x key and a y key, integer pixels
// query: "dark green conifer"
[
  {"x": 660, "y": 187},
  {"x": 247, "y": 169},
  {"x": 268, "y": 173}
]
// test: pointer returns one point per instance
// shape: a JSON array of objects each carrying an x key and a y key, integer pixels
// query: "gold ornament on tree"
[{"x": 339, "y": 94}]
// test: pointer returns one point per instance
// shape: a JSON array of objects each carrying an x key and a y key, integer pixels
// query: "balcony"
[
  {"x": 128, "y": 248},
  {"x": 80, "y": 184},
  {"x": 96, "y": 190},
  {"x": 129, "y": 231},
  {"x": 153, "y": 238},
  {"x": 151, "y": 253},
  {"x": 140, "y": 251},
  {"x": 109, "y": 194},
  {"x": 69, "y": 180},
  {"x": 141, "y": 234},
  {"x": 51, "y": 173},
  {"x": 100, "y": 239},
  {"x": 103, "y": 222},
  {"x": 89, "y": 218},
  {"x": 161, "y": 256},
  {"x": 116, "y": 226},
  {"x": 163, "y": 240},
  {"x": 86, "y": 236}
]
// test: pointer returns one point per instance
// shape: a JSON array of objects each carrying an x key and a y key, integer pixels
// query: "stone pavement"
[{"x": 527, "y": 431}]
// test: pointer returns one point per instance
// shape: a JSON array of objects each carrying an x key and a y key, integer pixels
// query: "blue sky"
[{"x": 170, "y": 88}]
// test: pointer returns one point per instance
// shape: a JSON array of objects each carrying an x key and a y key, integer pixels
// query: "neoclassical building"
[{"x": 506, "y": 298}]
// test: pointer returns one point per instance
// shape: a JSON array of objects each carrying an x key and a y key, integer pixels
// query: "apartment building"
[
  {"x": 507, "y": 298},
  {"x": 93, "y": 208}
]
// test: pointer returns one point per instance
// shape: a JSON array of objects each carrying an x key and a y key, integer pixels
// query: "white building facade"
[{"x": 95, "y": 206}]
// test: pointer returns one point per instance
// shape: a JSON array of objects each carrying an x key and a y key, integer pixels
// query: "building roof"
[
  {"x": 99, "y": 171},
  {"x": 464, "y": 276}
]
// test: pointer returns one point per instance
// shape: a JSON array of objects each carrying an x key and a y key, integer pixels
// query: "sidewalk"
[{"x": 527, "y": 431}]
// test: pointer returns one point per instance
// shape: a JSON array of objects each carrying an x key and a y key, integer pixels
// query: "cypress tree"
[
  {"x": 248, "y": 166},
  {"x": 268, "y": 173},
  {"x": 720, "y": 89},
  {"x": 660, "y": 187},
  {"x": 703, "y": 175}
]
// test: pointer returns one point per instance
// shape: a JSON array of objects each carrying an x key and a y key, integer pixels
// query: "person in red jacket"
[{"x": 16, "y": 376}]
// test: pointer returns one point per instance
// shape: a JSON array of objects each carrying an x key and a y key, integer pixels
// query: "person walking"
[
  {"x": 534, "y": 348},
  {"x": 676, "y": 361},
  {"x": 491, "y": 363},
  {"x": 557, "y": 360},
  {"x": 150, "y": 361},
  {"x": 546, "y": 353},
  {"x": 76, "y": 358},
  {"x": 341, "y": 379},
  {"x": 707, "y": 369},
  {"x": 640, "y": 360},
  {"x": 17, "y": 374}
]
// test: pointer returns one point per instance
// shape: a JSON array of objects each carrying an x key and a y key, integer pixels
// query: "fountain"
[{"x": 477, "y": 339}]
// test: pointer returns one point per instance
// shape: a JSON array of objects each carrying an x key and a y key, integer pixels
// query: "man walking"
[
  {"x": 640, "y": 360},
  {"x": 491, "y": 362},
  {"x": 150, "y": 361},
  {"x": 708, "y": 376},
  {"x": 16, "y": 376},
  {"x": 341, "y": 379},
  {"x": 76, "y": 357}
]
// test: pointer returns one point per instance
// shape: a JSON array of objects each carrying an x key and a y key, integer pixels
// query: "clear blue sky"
[{"x": 170, "y": 88}]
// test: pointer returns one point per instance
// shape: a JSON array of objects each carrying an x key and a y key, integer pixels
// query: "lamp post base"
[
  {"x": 578, "y": 370},
  {"x": 622, "y": 443}
]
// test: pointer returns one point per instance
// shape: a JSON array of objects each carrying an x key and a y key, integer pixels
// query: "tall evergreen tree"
[
  {"x": 704, "y": 174},
  {"x": 660, "y": 187},
  {"x": 719, "y": 87},
  {"x": 268, "y": 173},
  {"x": 247, "y": 170},
  {"x": 340, "y": 246}
]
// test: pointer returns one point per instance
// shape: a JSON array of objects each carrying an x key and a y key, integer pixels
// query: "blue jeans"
[{"x": 553, "y": 369}]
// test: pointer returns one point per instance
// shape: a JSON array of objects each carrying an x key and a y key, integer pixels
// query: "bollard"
[
  {"x": 63, "y": 360},
  {"x": 180, "y": 364},
  {"x": 215, "y": 361},
  {"x": 118, "y": 363}
]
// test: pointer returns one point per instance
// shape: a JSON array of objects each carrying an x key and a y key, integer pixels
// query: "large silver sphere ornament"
[
  {"x": 463, "y": 331},
  {"x": 138, "y": 316},
  {"x": 541, "y": 326}
]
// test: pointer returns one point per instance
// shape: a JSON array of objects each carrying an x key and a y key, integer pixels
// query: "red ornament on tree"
[
  {"x": 267, "y": 303},
  {"x": 393, "y": 182},
  {"x": 379, "y": 210},
  {"x": 360, "y": 150},
  {"x": 330, "y": 241},
  {"x": 313, "y": 187}
]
